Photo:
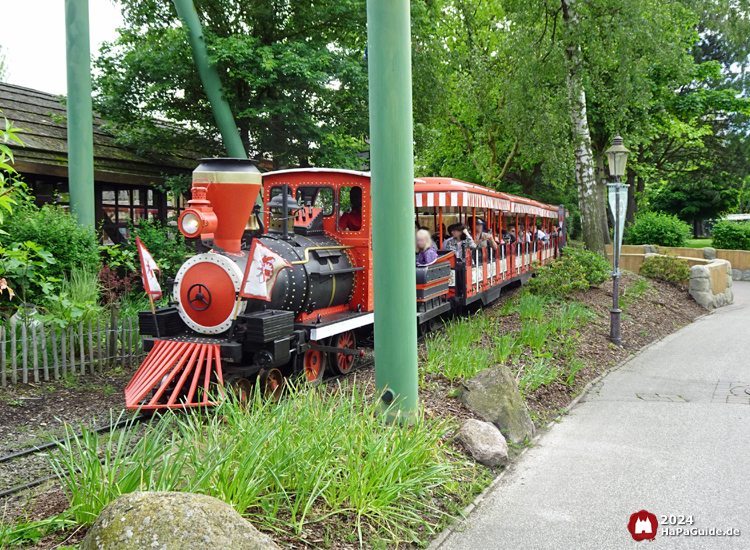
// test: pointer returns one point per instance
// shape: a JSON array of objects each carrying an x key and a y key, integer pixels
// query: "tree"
[
  {"x": 293, "y": 73},
  {"x": 3, "y": 66}
]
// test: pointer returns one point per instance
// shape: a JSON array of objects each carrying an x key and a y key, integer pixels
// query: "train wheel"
[
  {"x": 342, "y": 363},
  {"x": 243, "y": 389},
  {"x": 314, "y": 366},
  {"x": 426, "y": 327},
  {"x": 272, "y": 383}
]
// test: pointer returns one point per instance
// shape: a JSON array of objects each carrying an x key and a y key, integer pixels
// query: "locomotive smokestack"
[
  {"x": 232, "y": 186},
  {"x": 284, "y": 212}
]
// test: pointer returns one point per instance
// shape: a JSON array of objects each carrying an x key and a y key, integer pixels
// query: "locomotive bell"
[{"x": 224, "y": 193}]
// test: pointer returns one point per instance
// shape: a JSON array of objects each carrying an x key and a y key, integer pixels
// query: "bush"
[
  {"x": 731, "y": 235},
  {"x": 659, "y": 229},
  {"x": 56, "y": 231},
  {"x": 667, "y": 268},
  {"x": 578, "y": 269},
  {"x": 166, "y": 244}
]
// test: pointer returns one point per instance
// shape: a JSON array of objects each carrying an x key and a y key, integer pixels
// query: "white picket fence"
[{"x": 32, "y": 352}]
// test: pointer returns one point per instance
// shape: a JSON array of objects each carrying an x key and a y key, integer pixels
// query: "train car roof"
[{"x": 437, "y": 191}]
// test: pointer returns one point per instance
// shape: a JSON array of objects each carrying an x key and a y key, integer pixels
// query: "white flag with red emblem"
[
  {"x": 262, "y": 270},
  {"x": 148, "y": 271}
]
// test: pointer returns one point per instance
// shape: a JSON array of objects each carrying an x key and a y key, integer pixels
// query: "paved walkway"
[{"x": 658, "y": 434}]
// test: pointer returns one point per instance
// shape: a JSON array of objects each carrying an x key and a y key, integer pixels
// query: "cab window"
[{"x": 317, "y": 197}]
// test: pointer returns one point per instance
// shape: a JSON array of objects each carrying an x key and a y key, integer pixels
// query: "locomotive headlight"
[
  {"x": 195, "y": 222},
  {"x": 190, "y": 224}
]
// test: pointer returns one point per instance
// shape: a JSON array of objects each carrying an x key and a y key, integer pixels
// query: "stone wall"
[
  {"x": 711, "y": 284},
  {"x": 740, "y": 259}
]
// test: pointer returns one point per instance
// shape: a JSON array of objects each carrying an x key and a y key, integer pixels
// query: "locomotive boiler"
[{"x": 215, "y": 333}]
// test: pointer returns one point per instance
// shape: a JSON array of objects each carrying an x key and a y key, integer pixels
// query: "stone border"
[{"x": 438, "y": 541}]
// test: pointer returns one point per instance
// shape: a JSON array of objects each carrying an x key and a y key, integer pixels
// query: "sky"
[{"x": 33, "y": 39}]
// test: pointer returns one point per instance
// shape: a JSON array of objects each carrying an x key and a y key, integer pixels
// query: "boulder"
[
  {"x": 746, "y": 275},
  {"x": 709, "y": 253},
  {"x": 650, "y": 249},
  {"x": 737, "y": 274},
  {"x": 494, "y": 396},
  {"x": 172, "y": 521},
  {"x": 484, "y": 442}
]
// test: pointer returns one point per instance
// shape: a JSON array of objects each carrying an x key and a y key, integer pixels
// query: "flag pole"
[{"x": 153, "y": 312}]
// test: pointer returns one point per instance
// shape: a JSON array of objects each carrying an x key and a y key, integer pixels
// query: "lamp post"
[{"x": 617, "y": 157}]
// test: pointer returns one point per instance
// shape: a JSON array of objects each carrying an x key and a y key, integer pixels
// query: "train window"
[
  {"x": 350, "y": 208},
  {"x": 318, "y": 197},
  {"x": 275, "y": 190}
]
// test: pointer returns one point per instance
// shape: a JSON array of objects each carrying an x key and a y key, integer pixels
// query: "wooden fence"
[{"x": 33, "y": 352}]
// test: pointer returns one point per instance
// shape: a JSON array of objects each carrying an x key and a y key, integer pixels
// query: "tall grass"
[
  {"x": 531, "y": 307},
  {"x": 284, "y": 465},
  {"x": 456, "y": 353},
  {"x": 540, "y": 372},
  {"x": 571, "y": 315},
  {"x": 504, "y": 346}
]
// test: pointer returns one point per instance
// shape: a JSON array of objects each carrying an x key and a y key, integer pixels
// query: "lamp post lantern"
[{"x": 617, "y": 157}]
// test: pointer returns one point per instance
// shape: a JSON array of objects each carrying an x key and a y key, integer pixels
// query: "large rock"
[
  {"x": 172, "y": 521},
  {"x": 494, "y": 396},
  {"x": 701, "y": 284},
  {"x": 709, "y": 253},
  {"x": 484, "y": 442}
]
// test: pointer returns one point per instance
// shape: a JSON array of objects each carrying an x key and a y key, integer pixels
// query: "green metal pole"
[
  {"x": 210, "y": 79},
  {"x": 80, "y": 119},
  {"x": 392, "y": 165}
]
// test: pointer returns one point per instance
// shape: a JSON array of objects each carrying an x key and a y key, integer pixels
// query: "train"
[{"x": 284, "y": 288}]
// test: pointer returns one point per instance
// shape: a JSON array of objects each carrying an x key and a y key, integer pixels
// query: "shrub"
[
  {"x": 578, "y": 269},
  {"x": 57, "y": 232},
  {"x": 666, "y": 268},
  {"x": 732, "y": 235},
  {"x": 659, "y": 229},
  {"x": 166, "y": 244}
]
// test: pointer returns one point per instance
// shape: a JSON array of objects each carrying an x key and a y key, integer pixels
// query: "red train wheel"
[
  {"x": 272, "y": 382},
  {"x": 342, "y": 363},
  {"x": 243, "y": 389},
  {"x": 314, "y": 366}
]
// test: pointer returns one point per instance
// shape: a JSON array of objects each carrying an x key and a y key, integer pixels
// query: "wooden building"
[{"x": 124, "y": 179}]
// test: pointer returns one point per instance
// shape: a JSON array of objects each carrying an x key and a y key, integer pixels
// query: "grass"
[
  {"x": 635, "y": 292},
  {"x": 26, "y": 532},
  {"x": 314, "y": 457},
  {"x": 698, "y": 243},
  {"x": 541, "y": 372},
  {"x": 455, "y": 353}
]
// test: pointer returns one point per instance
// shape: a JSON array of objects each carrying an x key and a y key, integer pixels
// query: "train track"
[{"x": 54, "y": 444}]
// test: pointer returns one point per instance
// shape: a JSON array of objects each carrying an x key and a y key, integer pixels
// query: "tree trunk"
[
  {"x": 601, "y": 198},
  {"x": 584, "y": 161},
  {"x": 632, "y": 206}
]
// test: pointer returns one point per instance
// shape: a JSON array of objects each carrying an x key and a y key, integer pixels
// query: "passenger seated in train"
[
  {"x": 483, "y": 237},
  {"x": 508, "y": 238},
  {"x": 426, "y": 251},
  {"x": 352, "y": 220},
  {"x": 541, "y": 235},
  {"x": 460, "y": 241},
  {"x": 438, "y": 238}
]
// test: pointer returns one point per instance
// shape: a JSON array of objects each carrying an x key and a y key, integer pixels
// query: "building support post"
[
  {"x": 392, "y": 165},
  {"x": 210, "y": 79},
  {"x": 79, "y": 112}
]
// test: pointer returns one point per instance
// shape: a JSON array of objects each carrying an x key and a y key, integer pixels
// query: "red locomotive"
[{"x": 307, "y": 265}]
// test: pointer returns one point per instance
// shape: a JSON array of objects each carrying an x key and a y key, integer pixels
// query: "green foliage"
[
  {"x": 541, "y": 372},
  {"x": 313, "y": 455},
  {"x": 634, "y": 292},
  {"x": 293, "y": 74},
  {"x": 23, "y": 265},
  {"x": 78, "y": 299},
  {"x": 28, "y": 532},
  {"x": 730, "y": 235},
  {"x": 531, "y": 307},
  {"x": 58, "y": 233},
  {"x": 659, "y": 229},
  {"x": 578, "y": 269},
  {"x": 666, "y": 268},
  {"x": 165, "y": 243},
  {"x": 455, "y": 353}
]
